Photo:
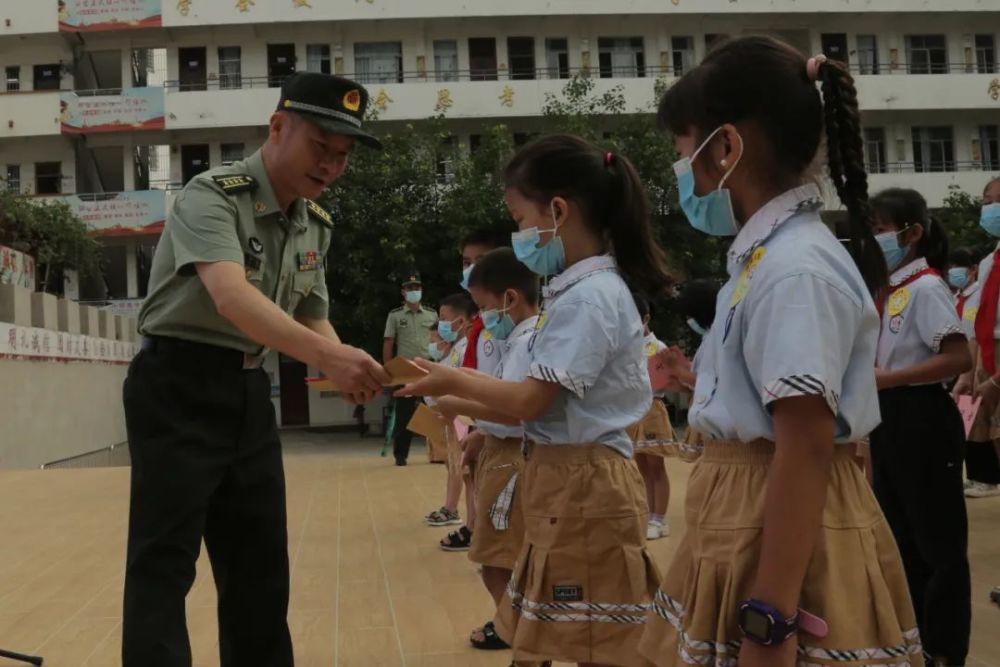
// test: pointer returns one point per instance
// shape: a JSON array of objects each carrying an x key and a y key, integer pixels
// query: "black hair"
[
  {"x": 903, "y": 207},
  {"x": 461, "y": 303},
  {"x": 763, "y": 82},
  {"x": 499, "y": 270},
  {"x": 697, "y": 301},
  {"x": 610, "y": 195},
  {"x": 641, "y": 304},
  {"x": 964, "y": 257},
  {"x": 485, "y": 236}
]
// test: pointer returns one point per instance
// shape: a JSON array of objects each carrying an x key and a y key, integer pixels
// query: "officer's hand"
[{"x": 355, "y": 373}]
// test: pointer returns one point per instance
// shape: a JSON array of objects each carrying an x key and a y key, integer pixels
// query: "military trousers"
[{"x": 206, "y": 463}]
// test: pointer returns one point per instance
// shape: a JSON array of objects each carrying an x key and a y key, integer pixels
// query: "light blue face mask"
[
  {"x": 894, "y": 253},
  {"x": 546, "y": 260},
  {"x": 990, "y": 219},
  {"x": 435, "y": 352},
  {"x": 499, "y": 326},
  {"x": 697, "y": 328},
  {"x": 414, "y": 296},
  {"x": 466, "y": 272},
  {"x": 713, "y": 213},
  {"x": 958, "y": 277},
  {"x": 447, "y": 332}
]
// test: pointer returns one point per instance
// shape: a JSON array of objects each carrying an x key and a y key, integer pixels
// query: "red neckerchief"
[
  {"x": 887, "y": 294},
  {"x": 987, "y": 316},
  {"x": 471, "y": 359}
]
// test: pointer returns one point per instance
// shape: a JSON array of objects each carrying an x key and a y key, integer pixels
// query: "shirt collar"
[
  {"x": 772, "y": 215},
  {"x": 264, "y": 200},
  {"x": 971, "y": 289},
  {"x": 578, "y": 272},
  {"x": 908, "y": 271},
  {"x": 523, "y": 327}
]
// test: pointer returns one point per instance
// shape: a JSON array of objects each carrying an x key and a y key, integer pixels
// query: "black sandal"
[
  {"x": 458, "y": 540},
  {"x": 492, "y": 641}
]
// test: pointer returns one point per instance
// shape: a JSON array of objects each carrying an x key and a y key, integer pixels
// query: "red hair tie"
[{"x": 608, "y": 158}]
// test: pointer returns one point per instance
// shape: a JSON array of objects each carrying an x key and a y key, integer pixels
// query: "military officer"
[
  {"x": 239, "y": 270},
  {"x": 407, "y": 334}
]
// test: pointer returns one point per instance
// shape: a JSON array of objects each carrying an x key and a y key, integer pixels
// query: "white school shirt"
[
  {"x": 513, "y": 368},
  {"x": 589, "y": 340},
  {"x": 794, "y": 319},
  {"x": 970, "y": 309},
  {"x": 985, "y": 267},
  {"x": 651, "y": 345},
  {"x": 917, "y": 317},
  {"x": 452, "y": 360},
  {"x": 489, "y": 353}
]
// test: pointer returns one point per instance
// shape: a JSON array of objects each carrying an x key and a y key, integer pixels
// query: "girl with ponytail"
[
  {"x": 778, "y": 565},
  {"x": 581, "y": 583}
]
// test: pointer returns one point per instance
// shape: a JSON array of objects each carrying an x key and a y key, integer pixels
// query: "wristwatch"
[{"x": 763, "y": 624}]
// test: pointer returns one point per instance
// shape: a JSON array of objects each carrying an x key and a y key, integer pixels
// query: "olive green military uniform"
[
  {"x": 411, "y": 330},
  {"x": 206, "y": 458}
]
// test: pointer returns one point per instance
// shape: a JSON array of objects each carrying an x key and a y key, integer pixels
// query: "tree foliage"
[{"x": 51, "y": 233}]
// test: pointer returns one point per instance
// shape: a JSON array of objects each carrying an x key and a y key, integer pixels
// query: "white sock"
[{"x": 656, "y": 518}]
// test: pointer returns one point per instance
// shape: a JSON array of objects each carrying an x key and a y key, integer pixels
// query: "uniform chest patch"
[
  {"x": 403, "y": 322},
  {"x": 255, "y": 245},
  {"x": 251, "y": 262},
  {"x": 308, "y": 260}
]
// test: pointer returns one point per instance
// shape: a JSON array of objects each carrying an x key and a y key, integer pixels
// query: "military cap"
[
  {"x": 412, "y": 278},
  {"x": 335, "y": 104}
]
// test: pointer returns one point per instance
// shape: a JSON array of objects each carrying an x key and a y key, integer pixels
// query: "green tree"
[{"x": 960, "y": 218}]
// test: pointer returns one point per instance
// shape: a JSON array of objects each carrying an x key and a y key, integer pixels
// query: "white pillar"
[
  {"x": 128, "y": 164},
  {"x": 131, "y": 270}
]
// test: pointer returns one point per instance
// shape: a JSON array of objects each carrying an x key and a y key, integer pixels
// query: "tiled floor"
[{"x": 369, "y": 586}]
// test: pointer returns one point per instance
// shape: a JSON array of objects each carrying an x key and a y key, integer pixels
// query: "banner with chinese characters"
[
  {"x": 32, "y": 343},
  {"x": 95, "y": 15},
  {"x": 125, "y": 307},
  {"x": 121, "y": 213},
  {"x": 133, "y": 109},
  {"x": 16, "y": 268}
]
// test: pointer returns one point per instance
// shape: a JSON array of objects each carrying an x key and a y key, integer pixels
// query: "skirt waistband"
[
  {"x": 561, "y": 454},
  {"x": 756, "y": 452}
]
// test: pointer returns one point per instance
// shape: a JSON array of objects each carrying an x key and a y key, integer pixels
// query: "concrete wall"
[{"x": 55, "y": 410}]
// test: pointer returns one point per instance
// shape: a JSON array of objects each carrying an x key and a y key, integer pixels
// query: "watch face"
[{"x": 757, "y": 624}]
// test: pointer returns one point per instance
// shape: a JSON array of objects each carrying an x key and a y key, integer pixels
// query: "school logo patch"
[
  {"x": 898, "y": 301},
  {"x": 969, "y": 315},
  {"x": 567, "y": 593},
  {"x": 256, "y": 246},
  {"x": 488, "y": 348},
  {"x": 896, "y": 323}
]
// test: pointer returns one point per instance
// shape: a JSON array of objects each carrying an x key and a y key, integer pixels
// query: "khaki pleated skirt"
[
  {"x": 855, "y": 580},
  {"x": 583, "y": 582},
  {"x": 986, "y": 426},
  {"x": 499, "y": 519},
  {"x": 654, "y": 434}
]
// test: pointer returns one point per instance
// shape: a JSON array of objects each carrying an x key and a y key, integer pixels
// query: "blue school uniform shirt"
[
  {"x": 794, "y": 319},
  {"x": 589, "y": 340},
  {"x": 917, "y": 317},
  {"x": 513, "y": 368}
]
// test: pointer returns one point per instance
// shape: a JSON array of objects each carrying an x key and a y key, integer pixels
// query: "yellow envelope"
[
  {"x": 403, "y": 371},
  {"x": 427, "y": 423}
]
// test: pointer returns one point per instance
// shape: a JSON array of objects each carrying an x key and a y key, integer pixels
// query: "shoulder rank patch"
[
  {"x": 319, "y": 213},
  {"x": 236, "y": 183}
]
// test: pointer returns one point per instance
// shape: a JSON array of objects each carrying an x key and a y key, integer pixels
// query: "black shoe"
[{"x": 401, "y": 462}]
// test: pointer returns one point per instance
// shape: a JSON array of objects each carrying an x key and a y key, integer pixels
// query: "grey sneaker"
[{"x": 443, "y": 517}]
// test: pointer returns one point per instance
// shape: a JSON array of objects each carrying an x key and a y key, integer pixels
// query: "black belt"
[{"x": 190, "y": 348}]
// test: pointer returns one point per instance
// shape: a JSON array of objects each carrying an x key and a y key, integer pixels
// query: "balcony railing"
[
  {"x": 945, "y": 166},
  {"x": 919, "y": 69}
]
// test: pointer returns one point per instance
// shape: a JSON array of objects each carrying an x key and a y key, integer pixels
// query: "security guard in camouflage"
[
  {"x": 407, "y": 334},
  {"x": 240, "y": 269}
]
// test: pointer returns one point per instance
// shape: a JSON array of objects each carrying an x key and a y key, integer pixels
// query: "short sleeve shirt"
[
  {"x": 794, "y": 319},
  {"x": 917, "y": 317},
  {"x": 970, "y": 308},
  {"x": 513, "y": 368},
  {"x": 231, "y": 214},
  {"x": 411, "y": 330},
  {"x": 452, "y": 360},
  {"x": 489, "y": 353},
  {"x": 985, "y": 268},
  {"x": 588, "y": 339}
]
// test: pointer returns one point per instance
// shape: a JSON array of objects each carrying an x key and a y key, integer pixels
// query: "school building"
[{"x": 113, "y": 105}]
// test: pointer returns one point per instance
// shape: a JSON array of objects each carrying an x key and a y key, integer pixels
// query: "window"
[
  {"x": 875, "y": 150},
  {"x": 445, "y": 160},
  {"x": 47, "y": 77},
  {"x": 867, "y": 54},
  {"x": 475, "y": 141},
  {"x": 521, "y": 139},
  {"x": 933, "y": 149},
  {"x": 621, "y": 57},
  {"x": 318, "y": 58},
  {"x": 989, "y": 147},
  {"x": 446, "y": 60},
  {"x": 986, "y": 54},
  {"x": 521, "y": 56},
  {"x": 557, "y": 58},
  {"x": 482, "y": 59},
  {"x": 683, "y": 54},
  {"x": 48, "y": 178},
  {"x": 927, "y": 54},
  {"x": 13, "y": 180},
  {"x": 230, "y": 67},
  {"x": 379, "y": 62},
  {"x": 231, "y": 153},
  {"x": 13, "y": 78}
]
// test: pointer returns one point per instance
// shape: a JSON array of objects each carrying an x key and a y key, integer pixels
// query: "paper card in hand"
[
  {"x": 321, "y": 384},
  {"x": 968, "y": 406},
  {"x": 427, "y": 423},
  {"x": 660, "y": 376},
  {"x": 403, "y": 371}
]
